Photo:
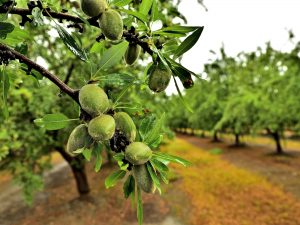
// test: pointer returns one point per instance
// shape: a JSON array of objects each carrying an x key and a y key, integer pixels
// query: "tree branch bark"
[{"x": 45, "y": 73}]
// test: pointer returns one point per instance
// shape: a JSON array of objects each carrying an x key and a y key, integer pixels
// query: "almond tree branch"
[
  {"x": 47, "y": 12},
  {"x": 128, "y": 35},
  {"x": 12, "y": 54}
]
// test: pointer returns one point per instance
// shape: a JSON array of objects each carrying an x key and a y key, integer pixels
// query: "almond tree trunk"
[
  {"x": 77, "y": 166},
  {"x": 276, "y": 137},
  {"x": 215, "y": 137},
  {"x": 237, "y": 140}
]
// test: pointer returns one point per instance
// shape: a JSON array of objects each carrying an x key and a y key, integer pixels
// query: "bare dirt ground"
[
  {"x": 282, "y": 170},
  {"x": 59, "y": 203},
  {"x": 225, "y": 189}
]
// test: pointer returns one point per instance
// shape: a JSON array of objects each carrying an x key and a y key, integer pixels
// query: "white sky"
[{"x": 242, "y": 25}]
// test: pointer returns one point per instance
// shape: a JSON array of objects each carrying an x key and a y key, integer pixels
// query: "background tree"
[{"x": 248, "y": 94}]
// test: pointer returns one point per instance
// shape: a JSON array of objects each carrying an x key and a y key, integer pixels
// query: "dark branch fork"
[{"x": 45, "y": 73}]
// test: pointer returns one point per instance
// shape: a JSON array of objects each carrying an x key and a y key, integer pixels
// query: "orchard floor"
[
  {"x": 218, "y": 189},
  {"x": 282, "y": 170}
]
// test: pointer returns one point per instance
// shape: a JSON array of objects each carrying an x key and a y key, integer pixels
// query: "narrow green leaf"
[
  {"x": 145, "y": 7},
  {"x": 189, "y": 42},
  {"x": 97, "y": 151},
  {"x": 154, "y": 11},
  {"x": 162, "y": 58},
  {"x": 98, "y": 163},
  {"x": 182, "y": 73},
  {"x": 129, "y": 186},
  {"x": 123, "y": 92},
  {"x": 84, "y": 19},
  {"x": 139, "y": 206},
  {"x": 98, "y": 47},
  {"x": 117, "y": 79},
  {"x": 3, "y": 16},
  {"x": 17, "y": 36},
  {"x": 132, "y": 198},
  {"x": 155, "y": 133},
  {"x": 183, "y": 30},
  {"x": 164, "y": 177},
  {"x": 119, "y": 156},
  {"x": 179, "y": 70},
  {"x": 161, "y": 168},
  {"x": 5, "y": 28},
  {"x": 53, "y": 121},
  {"x": 146, "y": 125},
  {"x": 156, "y": 142},
  {"x": 70, "y": 42},
  {"x": 171, "y": 158},
  {"x": 137, "y": 15},
  {"x": 120, "y": 3},
  {"x": 87, "y": 153},
  {"x": 111, "y": 180},
  {"x": 112, "y": 56},
  {"x": 186, "y": 105},
  {"x": 154, "y": 177}
]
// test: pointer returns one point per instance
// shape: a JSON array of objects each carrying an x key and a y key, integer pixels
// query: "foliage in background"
[{"x": 247, "y": 94}]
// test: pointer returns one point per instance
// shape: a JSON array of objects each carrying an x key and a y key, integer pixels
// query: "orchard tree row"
[
  {"x": 252, "y": 93},
  {"x": 78, "y": 78}
]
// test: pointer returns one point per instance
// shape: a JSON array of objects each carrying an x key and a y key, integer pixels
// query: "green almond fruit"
[
  {"x": 143, "y": 178},
  {"x": 159, "y": 79},
  {"x": 79, "y": 138},
  {"x": 102, "y": 128},
  {"x": 93, "y": 7},
  {"x": 125, "y": 125},
  {"x": 111, "y": 24},
  {"x": 138, "y": 153},
  {"x": 132, "y": 53},
  {"x": 93, "y": 100}
]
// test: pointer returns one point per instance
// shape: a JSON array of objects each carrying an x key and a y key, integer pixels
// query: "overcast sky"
[{"x": 242, "y": 25}]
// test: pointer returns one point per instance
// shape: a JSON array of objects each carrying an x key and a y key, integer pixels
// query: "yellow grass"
[{"x": 220, "y": 193}]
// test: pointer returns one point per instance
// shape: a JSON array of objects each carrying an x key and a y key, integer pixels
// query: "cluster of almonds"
[
  {"x": 111, "y": 24},
  {"x": 110, "y": 21},
  {"x": 118, "y": 128}
]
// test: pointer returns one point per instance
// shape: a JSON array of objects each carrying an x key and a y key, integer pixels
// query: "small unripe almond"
[
  {"x": 125, "y": 125},
  {"x": 93, "y": 99},
  {"x": 138, "y": 153},
  {"x": 93, "y": 7},
  {"x": 79, "y": 138},
  {"x": 159, "y": 78},
  {"x": 143, "y": 178},
  {"x": 102, "y": 128},
  {"x": 132, "y": 53},
  {"x": 111, "y": 24}
]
